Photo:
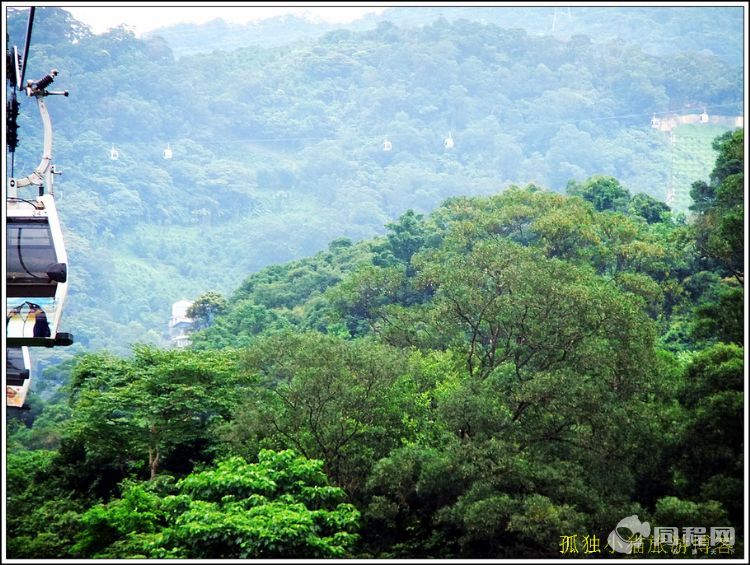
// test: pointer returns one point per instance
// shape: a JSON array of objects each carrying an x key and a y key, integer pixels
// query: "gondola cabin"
[
  {"x": 17, "y": 376},
  {"x": 36, "y": 275}
]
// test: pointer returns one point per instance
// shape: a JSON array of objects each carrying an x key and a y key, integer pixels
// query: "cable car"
[
  {"x": 37, "y": 265},
  {"x": 17, "y": 366},
  {"x": 387, "y": 145},
  {"x": 168, "y": 152},
  {"x": 114, "y": 154},
  {"x": 704, "y": 117},
  {"x": 448, "y": 143},
  {"x": 17, "y": 376},
  {"x": 655, "y": 122},
  {"x": 36, "y": 275}
]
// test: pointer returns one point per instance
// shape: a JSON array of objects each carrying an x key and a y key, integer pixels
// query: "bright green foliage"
[
  {"x": 128, "y": 527},
  {"x": 41, "y": 521},
  {"x": 281, "y": 506}
]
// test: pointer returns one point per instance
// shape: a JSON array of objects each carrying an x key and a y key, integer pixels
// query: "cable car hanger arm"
[{"x": 43, "y": 172}]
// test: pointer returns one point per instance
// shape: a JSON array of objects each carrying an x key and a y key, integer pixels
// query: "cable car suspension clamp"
[{"x": 43, "y": 174}]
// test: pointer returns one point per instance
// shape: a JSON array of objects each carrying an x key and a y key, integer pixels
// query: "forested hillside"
[
  {"x": 479, "y": 382},
  {"x": 413, "y": 349},
  {"x": 658, "y": 30},
  {"x": 267, "y": 138}
]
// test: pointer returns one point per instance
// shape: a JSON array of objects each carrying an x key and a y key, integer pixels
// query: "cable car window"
[
  {"x": 30, "y": 317},
  {"x": 31, "y": 252}
]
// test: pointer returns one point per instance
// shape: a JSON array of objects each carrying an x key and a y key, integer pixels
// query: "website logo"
[{"x": 624, "y": 543}]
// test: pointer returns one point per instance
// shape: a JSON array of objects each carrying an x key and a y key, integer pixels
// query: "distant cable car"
[
  {"x": 655, "y": 122},
  {"x": 114, "y": 154},
  {"x": 704, "y": 117},
  {"x": 17, "y": 376},
  {"x": 387, "y": 145},
  {"x": 168, "y": 152},
  {"x": 448, "y": 143}
]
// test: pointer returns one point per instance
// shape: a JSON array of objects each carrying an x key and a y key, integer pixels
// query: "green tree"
[
  {"x": 405, "y": 237},
  {"x": 280, "y": 507},
  {"x": 158, "y": 407},
  {"x": 648, "y": 208},
  {"x": 205, "y": 308},
  {"x": 719, "y": 206},
  {"x": 708, "y": 454},
  {"x": 604, "y": 192},
  {"x": 325, "y": 397},
  {"x": 721, "y": 316},
  {"x": 42, "y": 520},
  {"x": 508, "y": 304},
  {"x": 552, "y": 355}
]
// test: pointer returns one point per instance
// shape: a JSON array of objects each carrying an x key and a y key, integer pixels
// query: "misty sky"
[{"x": 142, "y": 19}]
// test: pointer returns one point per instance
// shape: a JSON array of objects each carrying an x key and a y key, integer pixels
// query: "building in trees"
[{"x": 180, "y": 325}]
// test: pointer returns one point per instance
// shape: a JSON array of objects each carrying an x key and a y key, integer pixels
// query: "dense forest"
[
  {"x": 475, "y": 351},
  {"x": 659, "y": 30},
  {"x": 268, "y": 137},
  {"x": 477, "y": 382}
]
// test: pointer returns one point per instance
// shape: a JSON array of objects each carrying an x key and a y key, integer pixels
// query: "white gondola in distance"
[
  {"x": 387, "y": 145},
  {"x": 168, "y": 152},
  {"x": 655, "y": 122},
  {"x": 114, "y": 154},
  {"x": 448, "y": 143},
  {"x": 704, "y": 117}
]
